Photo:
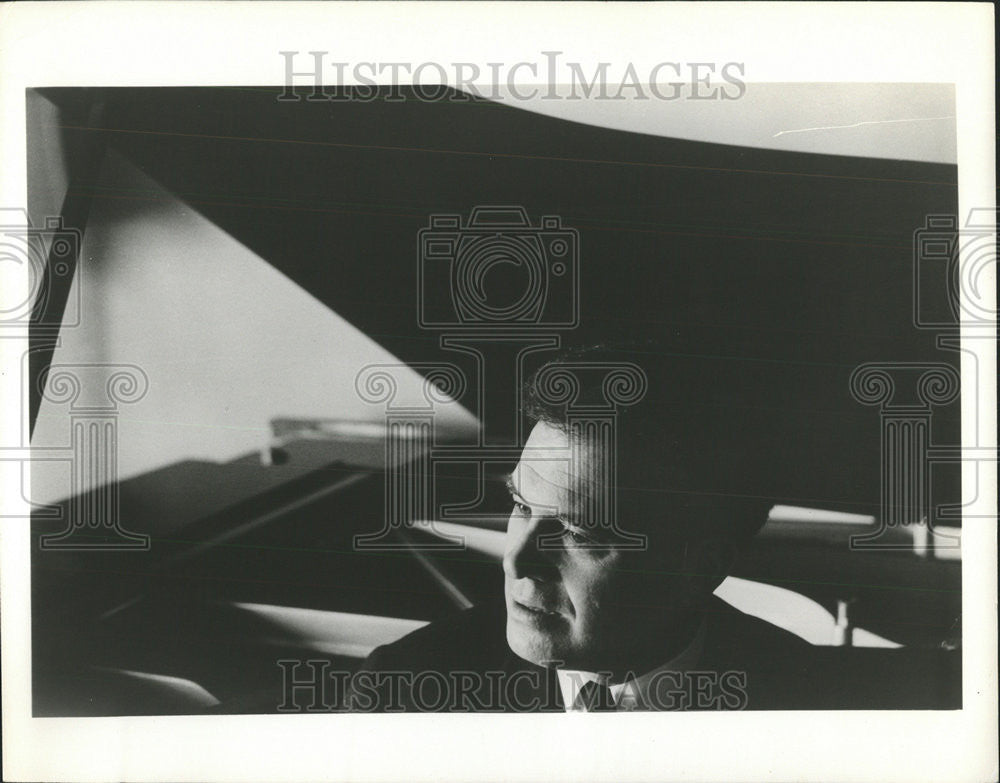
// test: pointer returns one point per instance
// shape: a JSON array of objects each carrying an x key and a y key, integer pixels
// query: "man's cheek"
[{"x": 599, "y": 603}]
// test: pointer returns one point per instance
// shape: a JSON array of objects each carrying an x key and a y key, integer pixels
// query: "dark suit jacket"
[{"x": 463, "y": 664}]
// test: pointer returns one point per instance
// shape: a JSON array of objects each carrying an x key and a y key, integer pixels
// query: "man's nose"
[{"x": 524, "y": 557}]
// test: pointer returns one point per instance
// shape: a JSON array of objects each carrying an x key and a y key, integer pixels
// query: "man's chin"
[{"x": 530, "y": 644}]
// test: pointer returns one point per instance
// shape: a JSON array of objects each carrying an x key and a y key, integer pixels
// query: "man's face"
[{"x": 567, "y": 599}]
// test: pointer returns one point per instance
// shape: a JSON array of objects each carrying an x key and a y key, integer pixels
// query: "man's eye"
[
  {"x": 576, "y": 536},
  {"x": 521, "y": 509}
]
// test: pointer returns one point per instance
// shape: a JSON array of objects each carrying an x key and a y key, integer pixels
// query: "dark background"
[{"x": 766, "y": 278}]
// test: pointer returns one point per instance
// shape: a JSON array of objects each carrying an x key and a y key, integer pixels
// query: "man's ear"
[{"x": 708, "y": 562}]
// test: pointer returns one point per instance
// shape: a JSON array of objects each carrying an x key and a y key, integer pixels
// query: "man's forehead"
[{"x": 551, "y": 460}]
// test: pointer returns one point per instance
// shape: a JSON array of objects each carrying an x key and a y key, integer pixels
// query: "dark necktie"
[{"x": 595, "y": 697}]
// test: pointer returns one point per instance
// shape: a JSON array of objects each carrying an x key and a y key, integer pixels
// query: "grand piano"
[{"x": 248, "y": 257}]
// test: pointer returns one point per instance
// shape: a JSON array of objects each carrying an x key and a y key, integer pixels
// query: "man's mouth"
[{"x": 537, "y": 610}]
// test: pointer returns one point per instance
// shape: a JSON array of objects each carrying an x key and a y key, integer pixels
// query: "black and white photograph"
[{"x": 540, "y": 386}]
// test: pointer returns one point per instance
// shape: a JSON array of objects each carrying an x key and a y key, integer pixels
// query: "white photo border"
[{"x": 237, "y": 44}]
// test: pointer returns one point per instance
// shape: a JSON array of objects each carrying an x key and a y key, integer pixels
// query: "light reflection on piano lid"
[
  {"x": 333, "y": 633},
  {"x": 322, "y": 429},
  {"x": 821, "y": 516},
  {"x": 356, "y": 442}
]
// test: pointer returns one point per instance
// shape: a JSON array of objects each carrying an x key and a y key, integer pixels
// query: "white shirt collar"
[{"x": 633, "y": 692}]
